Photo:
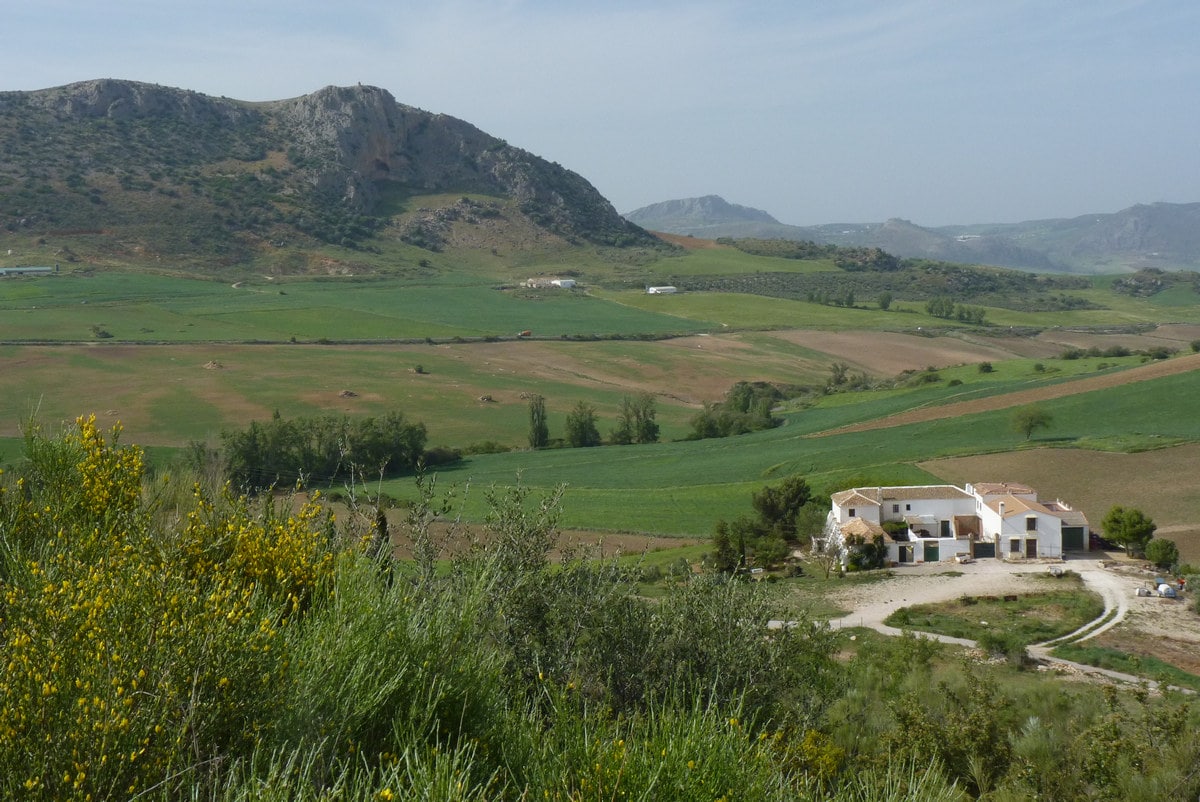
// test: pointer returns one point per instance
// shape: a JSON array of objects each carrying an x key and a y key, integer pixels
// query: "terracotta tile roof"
[
  {"x": 878, "y": 495},
  {"x": 923, "y": 492},
  {"x": 859, "y": 527},
  {"x": 1014, "y": 505},
  {"x": 855, "y": 496},
  {"x": 1001, "y": 488}
]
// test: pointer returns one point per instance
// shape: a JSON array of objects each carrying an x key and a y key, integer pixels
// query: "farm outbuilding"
[
  {"x": 666, "y": 290},
  {"x": 28, "y": 271}
]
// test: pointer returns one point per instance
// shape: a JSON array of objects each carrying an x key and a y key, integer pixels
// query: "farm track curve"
[{"x": 932, "y": 583}]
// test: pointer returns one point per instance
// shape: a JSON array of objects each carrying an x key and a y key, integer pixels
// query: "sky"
[{"x": 817, "y": 112}]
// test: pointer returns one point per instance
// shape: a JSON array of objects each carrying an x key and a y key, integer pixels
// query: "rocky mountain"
[
  {"x": 145, "y": 168},
  {"x": 1160, "y": 235},
  {"x": 697, "y": 213}
]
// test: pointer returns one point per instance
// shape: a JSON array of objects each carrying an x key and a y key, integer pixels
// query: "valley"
[{"x": 246, "y": 289}]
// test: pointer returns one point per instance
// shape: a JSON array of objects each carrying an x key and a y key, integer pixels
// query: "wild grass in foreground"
[
  {"x": 1139, "y": 665},
  {"x": 166, "y": 642}
]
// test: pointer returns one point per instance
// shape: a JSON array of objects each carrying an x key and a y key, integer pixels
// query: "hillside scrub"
[
  {"x": 914, "y": 280},
  {"x": 158, "y": 642},
  {"x": 165, "y": 643}
]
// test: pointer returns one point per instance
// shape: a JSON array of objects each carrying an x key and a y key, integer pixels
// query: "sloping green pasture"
[{"x": 683, "y": 488}]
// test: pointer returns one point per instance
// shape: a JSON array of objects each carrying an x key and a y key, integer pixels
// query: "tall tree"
[
  {"x": 725, "y": 555},
  {"x": 539, "y": 429},
  {"x": 1027, "y": 420},
  {"x": 777, "y": 506},
  {"x": 581, "y": 426},
  {"x": 636, "y": 422}
]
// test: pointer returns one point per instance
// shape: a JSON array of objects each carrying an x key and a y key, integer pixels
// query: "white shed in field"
[{"x": 667, "y": 290}]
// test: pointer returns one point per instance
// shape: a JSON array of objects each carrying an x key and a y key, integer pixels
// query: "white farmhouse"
[{"x": 928, "y": 523}]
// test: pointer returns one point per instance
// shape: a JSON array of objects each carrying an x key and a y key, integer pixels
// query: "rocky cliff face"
[
  {"x": 128, "y": 100},
  {"x": 363, "y": 138}
]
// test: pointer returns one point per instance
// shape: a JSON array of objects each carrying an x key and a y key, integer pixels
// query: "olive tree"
[{"x": 1027, "y": 420}]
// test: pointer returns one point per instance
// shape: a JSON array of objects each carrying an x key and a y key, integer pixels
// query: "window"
[
  {"x": 1031, "y": 524},
  {"x": 851, "y": 512},
  {"x": 895, "y": 508},
  {"x": 908, "y": 508}
]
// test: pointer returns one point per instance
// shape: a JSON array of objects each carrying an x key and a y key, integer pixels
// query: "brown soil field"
[
  {"x": 456, "y": 538},
  {"x": 1173, "y": 335},
  {"x": 885, "y": 353},
  {"x": 690, "y": 370}
]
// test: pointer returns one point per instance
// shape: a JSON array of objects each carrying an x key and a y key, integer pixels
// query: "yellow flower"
[{"x": 386, "y": 794}]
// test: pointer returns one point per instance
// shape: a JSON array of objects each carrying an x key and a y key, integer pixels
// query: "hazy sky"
[{"x": 938, "y": 112}]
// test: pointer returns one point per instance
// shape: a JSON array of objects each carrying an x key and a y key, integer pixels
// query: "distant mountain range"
[
  {"x": 1158, "y": 235},
  {"x": 119, "y": 171}
]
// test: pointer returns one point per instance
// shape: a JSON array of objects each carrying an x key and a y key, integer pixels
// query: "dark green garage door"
[
  {"x": 1072, "y": 538},
  {"x": 981, "y": 550}
]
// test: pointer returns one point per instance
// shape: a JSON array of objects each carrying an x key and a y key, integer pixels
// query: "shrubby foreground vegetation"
[{"x": 161, "y": 641}]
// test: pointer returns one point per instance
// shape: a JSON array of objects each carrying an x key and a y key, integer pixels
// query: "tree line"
[
  {"x": 288, "y": 451},
  {"x": 635, "y": 423},
  {"x": 746, "y": 408}
]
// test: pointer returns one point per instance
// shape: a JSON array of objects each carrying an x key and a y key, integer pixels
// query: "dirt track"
[
  {"x": 1153, "y": 370},
  {"x": 1164, "y": 628}
]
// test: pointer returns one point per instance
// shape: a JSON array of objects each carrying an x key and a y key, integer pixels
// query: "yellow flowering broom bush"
[{"x": 128, "y": 657}]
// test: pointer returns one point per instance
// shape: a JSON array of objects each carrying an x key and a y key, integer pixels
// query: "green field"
[
  {"x": 683, "y": 488},
  {"x": 217, "y": 355},
  {"x": 148, "y": 308}
]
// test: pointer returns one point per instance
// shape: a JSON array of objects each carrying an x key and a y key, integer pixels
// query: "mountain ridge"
[
  {"x": 185, "y": 174},
  {"x": 1158, "y": 235}
]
